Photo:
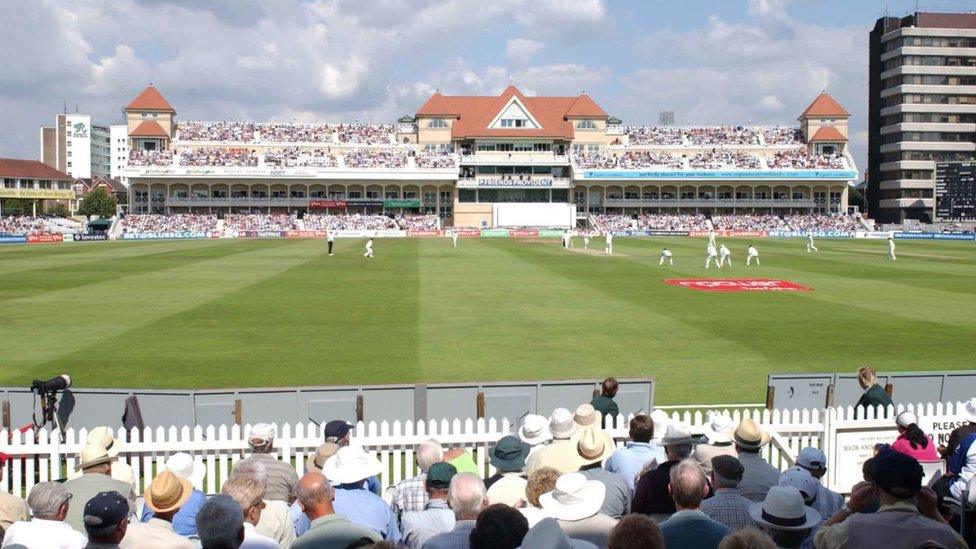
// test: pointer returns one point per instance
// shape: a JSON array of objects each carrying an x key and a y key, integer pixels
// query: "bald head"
[
  {"x": 315, "y": 495},
  {"x": 467, "y": 496},
  {"x": 688, "y": 484}
]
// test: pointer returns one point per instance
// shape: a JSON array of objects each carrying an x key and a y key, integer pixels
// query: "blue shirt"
[
  {"x": 360, "y": 506},
  {"x": 629, "y": 461},
  {"x": 692, "y": 530},
  {"x": 185, "y": 520}
]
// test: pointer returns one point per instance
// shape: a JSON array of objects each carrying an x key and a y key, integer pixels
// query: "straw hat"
[
  {"x": 317, "y": 460},
  {"x": 749, "y": 435},
  {"x": 587, "y": 415},
  {"x": 93, "y": 455},
  {"x": 574, "y": 497},
  {"x": 167, "y": 492},
  {"x": 351, "y": 464},
  {"x": 103, "y": 436},
  {"x": 534, "y": 430},
  {"x": 719, "y": 428},
  {"x": 593, "y": 445},
  {"x": 783, "y": 509}
]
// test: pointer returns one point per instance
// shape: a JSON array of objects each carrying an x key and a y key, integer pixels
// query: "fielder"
[
  {"x": 609, "y": 243},
  {"x": 331, "y": 240},
  {"x": 810, "y": 246},
  {"x": 711, "y": 255},
  {"x": 711, "y": 238},
  {"x": 566, "y": 239},
  {"x": 891, "y": 248},
  {"x": 369, "y": 248},
  {"x": 586, "y": 241},
  {"x": 454, "y": 237},
  {"x": 666, "y": 256},
  {"x": 752, "y": 253},
  {"x": 724, "y": 256}
]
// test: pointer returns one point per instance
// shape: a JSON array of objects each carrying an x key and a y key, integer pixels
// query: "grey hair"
[
  {"x": 253, "y": 469},
  {"x": 429, "y": 452},
  {"x": 219, "y": 523},
  {"x": 679, "y": 452},
  {"x": 721, "y": 482},
  {"x": 46, "y": 498},
  {"x": 466, "y": 495},
  {"x": 245, "y": 489},
  {"x": 315, "y": 493},
  {"x": 687, "y": 483}
]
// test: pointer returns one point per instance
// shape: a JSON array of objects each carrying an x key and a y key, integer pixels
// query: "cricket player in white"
[
  {"x": 369, "y": 248},
  {"x": 724, "y": 256},
  {"x": 711, "y": 255},
  {"x": 711, "y": 238},
  {"x": 586, "y": 241},
  {"x": 666, "y": 256},
  {"x": 331, "y": 240},
  {"x": 454, "y": 237},
  {"x": 810, "y": 246},
  {"x": 891, "y": 249},
  {"x": 752, "y": 253},
  {"x": 609, "y": 243},
  {"x": 566, "y": 239}
]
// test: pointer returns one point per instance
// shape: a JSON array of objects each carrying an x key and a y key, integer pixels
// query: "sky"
[{"x": 722, "y": 61}]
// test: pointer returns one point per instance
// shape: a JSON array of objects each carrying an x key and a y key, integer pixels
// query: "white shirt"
[
  {"x": 369, "y": 244},
  {"x": 711, "y": 250},
  {"x": 891, "y": 244},
  {"x": 331, "y": 237},
  {"x": 810, "y": 238},
  {"x": 254, "y": 540},
  {"x": 666, "y": 253},
  {"x": 753, "y": 252},
  {"x": 725, "y": 251},
  {"x": 43, "y": 534},
  {"x": 609, "y": 238}
]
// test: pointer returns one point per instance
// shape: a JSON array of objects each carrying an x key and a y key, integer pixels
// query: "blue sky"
[{"x": 758, "y": 61}]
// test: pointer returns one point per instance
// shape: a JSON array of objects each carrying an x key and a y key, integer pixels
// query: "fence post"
[
  {"x": 480, "y": 405},
  {"x": 5, "y": 405},
  {"x": 770, "y": 396}
]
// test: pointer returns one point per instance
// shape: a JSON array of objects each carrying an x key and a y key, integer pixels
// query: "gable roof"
[
  {"x": 828, "y": 134},
  {"x": 16, "y": 168},
  {"x": 149, "y": 128},
  {"x": 150, "y": 100},
  {"x": 474, "y": 113},
  {"x": 825, "y": 105}
]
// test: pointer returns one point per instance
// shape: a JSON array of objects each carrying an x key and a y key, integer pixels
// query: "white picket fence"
[{"x": 218, "y": 449}]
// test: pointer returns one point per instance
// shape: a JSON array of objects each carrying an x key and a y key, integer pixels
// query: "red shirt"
[{"x": 904, "y": 446}]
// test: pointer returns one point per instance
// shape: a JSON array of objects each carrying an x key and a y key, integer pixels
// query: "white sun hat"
[
  {"x": 719, "y": 428},
  {"x": 534, "y": 430},
  {"x": 574, "y": 497},
  {"x": 351, "y": 464}
]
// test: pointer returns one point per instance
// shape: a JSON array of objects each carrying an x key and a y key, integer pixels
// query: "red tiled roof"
[
  {"x": 824, "y": 105},
  {"x": 15, "y": 168},
  {"x": 473, "y": 114},
  {"x": 149, "y": 100},
  {"x": 149, "y": 128},
  {"x": 829, "y": 134}
]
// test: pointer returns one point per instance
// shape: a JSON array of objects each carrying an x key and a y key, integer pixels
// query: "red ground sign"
[{"x": 738, "y": 284}]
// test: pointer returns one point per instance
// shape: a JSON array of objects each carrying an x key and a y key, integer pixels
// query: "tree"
[
  {"x": 59, "y": 210},
  {"x": 97, "y": 202}
]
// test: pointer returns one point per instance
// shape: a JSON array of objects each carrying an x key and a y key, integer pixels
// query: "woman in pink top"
[{"x": 912, "y": 441}]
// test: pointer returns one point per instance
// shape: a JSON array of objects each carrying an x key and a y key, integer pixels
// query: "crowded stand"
[
  {"x": 728, "y": 222},
  {"x": 418, "y": 222},
  {"x": 142, "y": 157},
  {"x": 716, "y": 159},
  {"x": 376, "y": 158},
  {"x": 654, "y": 135},
  {"x": 260, "y": 222},
  {"x": 722, "y": 135},
  {"x": 213, "y": 156},
  {"x": 612, "y": 222},
  {"x": 22, "y": 224},
  {"x": 819, "y": 222},
  {"x": 291, "y": 157},
  {"x": 782, "y": 135},
  {"x": 158, "y": 223},
  {"x": 365, "y": 134},
  {"x": 751, "y": 222},
  {"x": 436, "y": 160},
  {"x": 590, "y": 160},
  {"x": 672, "y": 222},
  {"x": 635, "y": 160},
  {"x": 566, "y": 481},
  {"x": 349, "y": 222},
  {"x": 239, "y": 132},
  {"x": 271, "y": 132},
  {"x": 801, "y": 159}
]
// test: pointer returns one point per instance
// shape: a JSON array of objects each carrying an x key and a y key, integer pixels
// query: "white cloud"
[
  {"x": 340, "y": 80},
  {"x": 520, "y": 51}
]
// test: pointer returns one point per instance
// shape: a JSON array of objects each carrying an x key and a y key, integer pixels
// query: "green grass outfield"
[{"x": 246, "y": 313}]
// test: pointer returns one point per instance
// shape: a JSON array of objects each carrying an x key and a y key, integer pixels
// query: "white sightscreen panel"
[{"x": 534, "y": 215}]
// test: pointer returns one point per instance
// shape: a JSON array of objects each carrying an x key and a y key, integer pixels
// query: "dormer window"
[
  {"x": 513, "y": 123},
  {"x": 514, "y": 115},
  {"x": 585, "y": 125},
  {"x": 437, "y": 123}
]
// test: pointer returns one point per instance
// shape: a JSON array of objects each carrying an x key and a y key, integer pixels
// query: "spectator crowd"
[
  {"x": 418, "y": 222},
  {"x": 728, "y": 222},
  {"x": 25, "y": 224},
  {"x": 801, "y": 159},
  {"x": 557, "y": 482},
  {"x": 376, "y": 158},
  {"x": 158, "y": 223},
  {"x": 260, "y": 222},
  {"x": 275, "y": 132},
  {"x": 217, "y": 156},
  {"x": 291, "y": 157},
  {"x": 142, "y": 157},
  {"x": 349, "y": 222}
]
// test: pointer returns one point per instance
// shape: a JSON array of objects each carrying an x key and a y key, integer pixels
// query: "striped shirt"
[{"x": 728, "y": 507}]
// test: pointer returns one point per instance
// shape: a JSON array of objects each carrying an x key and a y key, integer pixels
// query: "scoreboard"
[{"x": 955, "y": 190}]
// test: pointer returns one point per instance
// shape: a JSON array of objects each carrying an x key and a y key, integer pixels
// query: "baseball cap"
[
  {"x": 440, "y": 474},
  {"x": 812, "y": 458},
  {"x": 104, "y": 509},
  {"x": 336, "y": 428},
  {"x": 261, "y": 433},
  {"x": 802, "y": 480},
  {"x": 896, "y": 473}
]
